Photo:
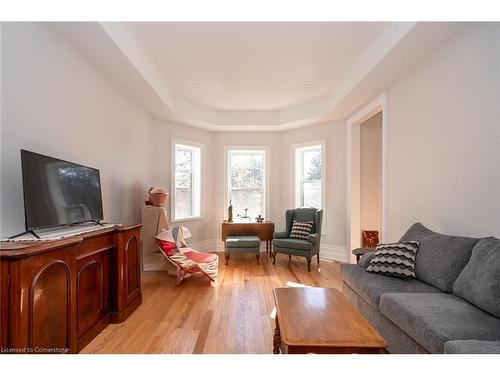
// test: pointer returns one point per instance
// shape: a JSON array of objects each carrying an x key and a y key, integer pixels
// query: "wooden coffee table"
[{"x": 321, "y": 320}]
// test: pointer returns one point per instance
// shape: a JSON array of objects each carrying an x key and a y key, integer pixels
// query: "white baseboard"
[
  {"x": 328, "y": 252},
  {"x": 333, "y": 252}
]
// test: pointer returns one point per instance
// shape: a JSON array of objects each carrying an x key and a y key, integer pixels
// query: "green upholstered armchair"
[{"x": 304, "y": 248}]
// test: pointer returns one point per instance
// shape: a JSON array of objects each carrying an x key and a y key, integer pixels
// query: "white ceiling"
[
  {"x": 251, "y": 76},
  {"x": 253, "y": 66}
]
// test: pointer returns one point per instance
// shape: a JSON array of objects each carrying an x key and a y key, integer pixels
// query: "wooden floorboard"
[{"x": 233, "y": 315}]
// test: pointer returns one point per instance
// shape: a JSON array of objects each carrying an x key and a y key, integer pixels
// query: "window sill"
[{"x": 192, "y": 218}]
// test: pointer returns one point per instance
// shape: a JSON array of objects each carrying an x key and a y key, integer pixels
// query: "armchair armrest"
[
  {"x": 313, "y": 238},
  {"x": 281, "y": 235}
]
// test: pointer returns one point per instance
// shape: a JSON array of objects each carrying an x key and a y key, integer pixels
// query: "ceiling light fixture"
[
  {"x": 196, "y": 85},
  {"x": 307, "y": 85}
]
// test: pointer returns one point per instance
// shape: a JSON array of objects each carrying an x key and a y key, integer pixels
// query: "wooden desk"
[
  {"x": 321, "y": 320},
  {"x": 56, "y": 296},
  {"x": 263, "y": 230}
]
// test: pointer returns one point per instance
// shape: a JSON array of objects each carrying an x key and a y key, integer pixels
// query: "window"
[
  {"x": 246, "y": 179},
  {"x": 309, "y": 179},
  {"x": 187, "y": 181}
]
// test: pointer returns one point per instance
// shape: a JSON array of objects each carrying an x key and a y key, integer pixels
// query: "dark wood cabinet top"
[{"x": 21, "y": 249}]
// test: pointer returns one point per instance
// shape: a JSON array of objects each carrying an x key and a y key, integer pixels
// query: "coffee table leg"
[{"x": 277, "y": 338}]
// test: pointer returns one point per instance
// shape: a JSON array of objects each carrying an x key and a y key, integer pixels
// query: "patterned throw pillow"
[
  {"x": 394, "y": 259},
  {"x": 301, "y": 230}
]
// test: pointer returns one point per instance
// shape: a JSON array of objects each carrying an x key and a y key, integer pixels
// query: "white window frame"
[
  {"x": 227, "y": 182},
  {"x": 198, "y": 199},
  {"x": 296, "y": 183}
]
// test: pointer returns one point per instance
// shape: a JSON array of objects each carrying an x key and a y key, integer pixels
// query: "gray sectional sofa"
[{"x": 453, "y": 304}]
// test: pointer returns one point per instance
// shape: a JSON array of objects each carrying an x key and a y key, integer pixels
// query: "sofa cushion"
[
  {"x": 289, "y": 243},
  {"x": 472, "y": 347},
  {"x": 479, "y": 282},
  {"x": 440, "y": 257},
  {"x": 394, "y": 259},
  {"x": 371, "y": 286},
  {"x": 432, "y": 319}
]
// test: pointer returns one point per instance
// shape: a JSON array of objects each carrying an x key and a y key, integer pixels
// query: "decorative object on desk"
[
  {"x": 259, "y": 219},
  {"x": 370, "y": 238},
  {"x": 158, "y": 196},
  {"x": 230, "y": 212},
  {"x": 244, "y": 216}
]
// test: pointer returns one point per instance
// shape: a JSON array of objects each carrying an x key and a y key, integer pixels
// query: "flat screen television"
[{"x": 58, "y": 192}]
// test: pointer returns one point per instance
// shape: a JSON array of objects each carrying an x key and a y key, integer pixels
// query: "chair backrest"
[{"x": 304, "y": 214}]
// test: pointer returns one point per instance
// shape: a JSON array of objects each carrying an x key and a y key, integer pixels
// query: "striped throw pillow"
[
  {"x": 394, "y": 259},
  {"x": 301, "y": 230}
]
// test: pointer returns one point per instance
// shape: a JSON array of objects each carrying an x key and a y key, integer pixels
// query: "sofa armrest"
[
  {"x": 281, "y": 235},
  {"x": 365, "y": 259}
]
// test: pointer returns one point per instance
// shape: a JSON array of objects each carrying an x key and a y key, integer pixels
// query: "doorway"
[{"x": 366, "y": 173}]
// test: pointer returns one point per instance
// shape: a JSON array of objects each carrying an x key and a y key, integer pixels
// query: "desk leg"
[
  {"x": 267, "y": 246},
  {"x": 277, "y": 338},
  {"x": 270, "y": 249}
]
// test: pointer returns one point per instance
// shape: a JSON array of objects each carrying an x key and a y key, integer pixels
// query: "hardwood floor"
[{"x": 233, "y": 316}]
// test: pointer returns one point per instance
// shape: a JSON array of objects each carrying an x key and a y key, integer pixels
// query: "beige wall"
[
  {"x": 55, "y": 102},
  {"x": 443, "y": 138},
  {"x": 371, "y": 173}
]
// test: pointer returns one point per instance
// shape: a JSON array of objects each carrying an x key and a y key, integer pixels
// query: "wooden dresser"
[{"x": 56, "y": 296}]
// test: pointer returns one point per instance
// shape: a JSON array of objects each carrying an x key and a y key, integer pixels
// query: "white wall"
[
  {"x": 271, "y": 141},
  {"x": 444, "y": 138},
  {"x": 334, "y": 135},
  {"x": 55, "y": 102},
  {"x": 280, "y": 176},
  {"x": 161, "y": 145},
  {"x": 371, "y": 173}
]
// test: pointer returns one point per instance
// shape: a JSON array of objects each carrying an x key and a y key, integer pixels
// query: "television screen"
[{"x": 57, "y": 192}]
